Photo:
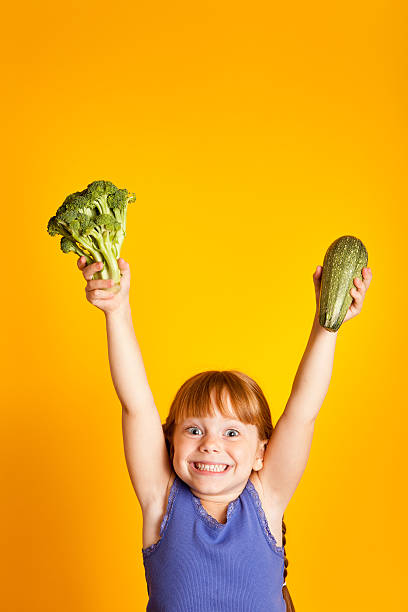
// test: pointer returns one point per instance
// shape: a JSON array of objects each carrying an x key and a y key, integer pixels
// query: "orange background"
[{"x": 253, "y": 136}]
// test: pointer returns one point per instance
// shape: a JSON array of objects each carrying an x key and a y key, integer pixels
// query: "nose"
[{"x": 209, "y": 444}]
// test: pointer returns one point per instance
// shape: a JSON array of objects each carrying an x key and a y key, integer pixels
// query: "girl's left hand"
[{"x": 357, "y": 292}]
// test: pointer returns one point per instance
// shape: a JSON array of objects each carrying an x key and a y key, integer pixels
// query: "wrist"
[
  {"x": 320, "y": 329},
  {"x": 123, "y": 311}
]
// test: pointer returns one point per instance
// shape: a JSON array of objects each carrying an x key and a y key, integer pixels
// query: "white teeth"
[{"x": 211, "y": 468}]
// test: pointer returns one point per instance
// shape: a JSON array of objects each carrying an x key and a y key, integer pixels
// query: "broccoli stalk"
[
  {"x": 104, "y": 230},
  {"x": 92, "y": 223}
]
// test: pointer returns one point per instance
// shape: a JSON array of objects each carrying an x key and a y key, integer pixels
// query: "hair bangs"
[{"x": 215, "y": 391}]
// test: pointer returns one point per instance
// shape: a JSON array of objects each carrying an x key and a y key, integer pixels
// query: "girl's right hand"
[{"x": 95, "y": 290}]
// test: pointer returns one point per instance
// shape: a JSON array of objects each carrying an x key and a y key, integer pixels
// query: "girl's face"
[{"x": 216, "y": 440}]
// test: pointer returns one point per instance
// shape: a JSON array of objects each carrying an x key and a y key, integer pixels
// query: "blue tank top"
[{"x": 201, "y": 565}]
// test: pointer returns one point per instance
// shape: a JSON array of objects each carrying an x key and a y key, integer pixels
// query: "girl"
[{"x": 214, "y": 481}]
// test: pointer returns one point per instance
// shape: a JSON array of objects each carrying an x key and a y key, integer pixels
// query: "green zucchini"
[{"x": 344, "y": 261}]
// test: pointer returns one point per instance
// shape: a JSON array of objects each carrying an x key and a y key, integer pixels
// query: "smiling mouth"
[{"x": 207, "y": 470}]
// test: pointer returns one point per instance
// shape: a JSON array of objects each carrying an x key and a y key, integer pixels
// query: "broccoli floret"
[
  {"x": 118, "y": 203},
  {"x": 92, "y": 223},
  {"x": 68, "y": 245}
]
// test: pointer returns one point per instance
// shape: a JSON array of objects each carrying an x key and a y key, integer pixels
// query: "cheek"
[
  {"x": 182, "y": 449},
  {"x": 241, "y": 454}
]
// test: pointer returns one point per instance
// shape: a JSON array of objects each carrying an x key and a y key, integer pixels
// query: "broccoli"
[{"x": 92, "y": 223}]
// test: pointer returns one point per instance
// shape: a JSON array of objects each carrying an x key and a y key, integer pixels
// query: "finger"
[
  {"x": 317, "y": 280},
  {"x": 358, "y": 297},
  {"x": 81, "y": 262},
  {"x": 364, "y": 284},
  {"x": 91, "y": 269},
  {"x": 318, "y": 272},
  {"x": 359, "y": 284},
  {"x": 124, "y": 267},
  {"x": 98, "y": 294},
  {"x": 367, "y": 276},
  {"x": 99, "y": 284}
]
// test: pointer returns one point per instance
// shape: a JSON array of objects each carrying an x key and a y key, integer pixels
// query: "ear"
[{"x": 262, "y": 444}]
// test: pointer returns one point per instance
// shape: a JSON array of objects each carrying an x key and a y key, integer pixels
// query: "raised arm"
[
  {"x": 288, "y": 449},
  {"x": 144, "y": 444},
  {"x": 126, "y": 362}
]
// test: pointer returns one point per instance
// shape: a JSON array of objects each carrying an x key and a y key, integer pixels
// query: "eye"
[
  {"x": 236, "y": 431},
  {"x": 188, "y": 429}
]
